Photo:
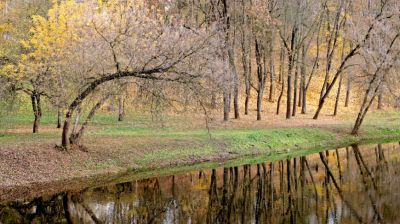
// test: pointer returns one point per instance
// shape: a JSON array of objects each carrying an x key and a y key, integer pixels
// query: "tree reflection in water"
[{"x": 355, "y": 184}]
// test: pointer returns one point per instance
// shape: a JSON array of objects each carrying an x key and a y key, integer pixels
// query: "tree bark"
[
  {"x": 121, "y": 108},
  {"x": 261, "y": 75},
  {"x": 235, "y": 82},
  {"x": 37, "y": 110},
  {"x": 246, "y": 62},
  {"x": 59, "y": 115},
  {"x": 295, "y": 86},
  {"x": 281, "y": 79},
  {"x": 290, "y": 71},
  {"x": 91, "y": 87},
  {"x": 335, "y": 111},
  {"x": 346, "y": 103},
  {"x": 272, "y": 74},
  {"x": 76, "y": 137},
  {"x": 352, "y": 52},
  {"x": 289, "y": 88},
  {"x": 380, "y": 104}
]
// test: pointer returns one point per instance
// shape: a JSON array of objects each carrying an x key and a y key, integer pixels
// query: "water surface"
[{"x": 349, "y": 185}]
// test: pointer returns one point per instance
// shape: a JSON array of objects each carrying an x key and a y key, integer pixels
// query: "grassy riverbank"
[{"x": 29, "y": 161}]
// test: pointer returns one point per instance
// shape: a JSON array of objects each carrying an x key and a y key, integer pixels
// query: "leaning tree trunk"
[
  {"x": 338, "y": 96},
  {"x": 369, "y": 98},
  {"x": 340, "y": 84},
  {"x": 76, "y": 137},
  {"x": 37, "y": 110},
  {"x": 346, "y": 103}
]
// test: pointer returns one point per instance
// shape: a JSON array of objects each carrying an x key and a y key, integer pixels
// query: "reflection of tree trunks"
[
  {"x": 295, "y": 173},
  {"x": 67, "y": 213},
  {"x": 382, "y": 158},
  {"x": 338, "y": 164},
  {"x": 360, "y": 160},
  {"x": 231, "y": 202},
  {"x": 222, "y": 215},
  {"x": 373, "y": 202},
  {"x": 312, "y": 180},
  {"x": 303, "y": 181},
  {"x": 79, "y": 200},
  {"x": 259, "y": 195},
  {"x": 246, "y": 192},
  {"x": 213, "y": 196},
  {"x": 339, "y": 190},
  {"x": 271, "y": 186}
]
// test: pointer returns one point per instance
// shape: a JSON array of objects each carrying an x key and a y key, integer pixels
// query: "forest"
[
  {"x": 92, "y": 88},
  {"x": 231, "y": 56}
]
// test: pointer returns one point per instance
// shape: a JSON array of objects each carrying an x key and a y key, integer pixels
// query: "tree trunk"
[
  {"x": 272, "y": 75},
  {"x": 261, "y": 74},
  {"x": 304, "y": 101},
  {"x": 59, "y": 115},
  {"x": 281, "y": 80},
  {"x": 380, "y": 104},
  {"x": 226, "y": 103},
  {"x": 346, "y": 103},
  {"x": 121, "y": 109},
  {"x": 278, "y": 105},
  {"x": 301, "y": 88},
  {"x": 290, "y": 71},
  {"x": 259, "y": 103},
  {"x": 65, "y": 133},
  {"x": 369, "y": 97},
  {"x": 213, "y": 101},
  {"x": 77, "y": 118},
  {"x": 233, "y": 72},
  {"x": 289, "y": 89},
  {"x": 340, "y": 83},
  {"x": 246, "y": 62},
  {"x": 76, "y": 137},
  {"x": 295, "y": 87},
  {"x": 338, "y": 96},
  {"x": 37, "y": 110}
]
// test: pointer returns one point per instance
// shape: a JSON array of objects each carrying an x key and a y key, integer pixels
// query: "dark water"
[{"x": 350, "y": 185}]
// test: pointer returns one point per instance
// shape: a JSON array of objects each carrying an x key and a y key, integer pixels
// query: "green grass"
[{"x": 138, "y": 148}]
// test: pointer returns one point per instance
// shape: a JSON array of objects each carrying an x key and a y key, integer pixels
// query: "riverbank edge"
[{"x": 76, "y": 184}]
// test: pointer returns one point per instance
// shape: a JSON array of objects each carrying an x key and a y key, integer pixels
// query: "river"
[{"x": 356, "y": 184}]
